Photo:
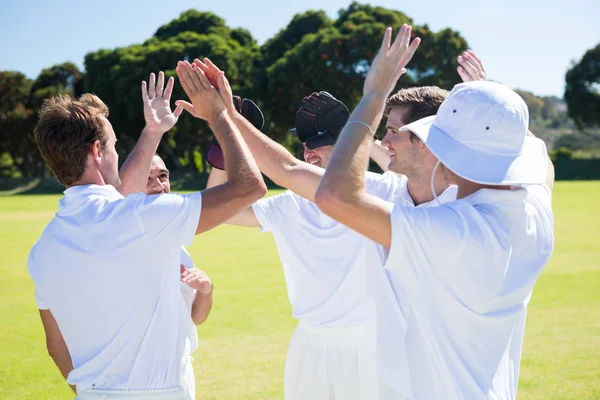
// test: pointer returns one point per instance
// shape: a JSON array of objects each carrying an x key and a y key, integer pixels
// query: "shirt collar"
[
  {"x": 75, "y": 196},
  {"x": 487, "y": 196},
  {"x": 446, "y": 196}
]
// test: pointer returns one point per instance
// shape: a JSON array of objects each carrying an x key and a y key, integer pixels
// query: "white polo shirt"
[
  {"x": 190, "y": 334},
  {"x": 467, "y": 270},
  {"x": 324, "y": 262},
  {"x": 108, "y": 268},
  {"x": 388, "y": 322}
]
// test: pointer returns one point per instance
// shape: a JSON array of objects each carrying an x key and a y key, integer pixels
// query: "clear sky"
[{"x": 526, "y": 44}]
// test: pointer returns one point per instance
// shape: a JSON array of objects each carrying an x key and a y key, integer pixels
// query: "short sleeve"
[
  {"x": 33, "y": 267},
  {"x": 173, "y": 217},
  {"x": 185, "y": 259},
  {"x": 385, "y": 186},
  {"x": 271, "y": 211}
]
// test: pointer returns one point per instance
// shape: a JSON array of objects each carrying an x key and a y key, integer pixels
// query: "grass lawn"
[{"x": 243, "y": 343}]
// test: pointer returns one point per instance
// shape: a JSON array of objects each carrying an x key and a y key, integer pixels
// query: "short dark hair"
[
  {"x": 422, "y": 101},
  {"x": 65, "y": 131}
]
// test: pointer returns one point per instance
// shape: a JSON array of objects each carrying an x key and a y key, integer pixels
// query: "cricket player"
[
  {"x": 107, "y": 266},
  {"x": 196, "y": 287},
  {"x": 317, "y": 124},
  {"x": 465, "y": 269}
]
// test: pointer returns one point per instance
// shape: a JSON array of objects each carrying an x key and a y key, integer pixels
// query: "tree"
[
  {"x": 582, "y": 92},
  {"x": 335, "y": 56},
  {"x": 115, "y": 76}
]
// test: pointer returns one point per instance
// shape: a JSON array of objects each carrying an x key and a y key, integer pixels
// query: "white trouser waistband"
[
  {"x": 351, "y": 331},
  {"x": 153, "y": 394}
]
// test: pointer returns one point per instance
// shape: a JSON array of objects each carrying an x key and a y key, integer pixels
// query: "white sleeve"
[
  {"x": 271, "y": 211},
  {"x": 32, "y": 266},
  {"x": 185, "y": 259},
  {"x": 171, "y": 218},
  {"x": 384, "y": 185}
]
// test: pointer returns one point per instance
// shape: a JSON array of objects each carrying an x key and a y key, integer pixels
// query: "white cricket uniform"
[
  {"x": 108, "y": 268},
  {"x": 388, "y": 323},
  {"x": 189, "y": 332},
  {"x": 465, "y": 273},
  {"x": 325, "y": 266}
]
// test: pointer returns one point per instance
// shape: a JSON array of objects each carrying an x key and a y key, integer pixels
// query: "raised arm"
[
  {"x": 244, "y": 183},
  {"x": 159, "y": 119},
  {"x": 246, "y": 216},
  {"x": 273, "y": 159},
  {"x": 341, "y": 193},
  {"x": 55, "y": 343}
]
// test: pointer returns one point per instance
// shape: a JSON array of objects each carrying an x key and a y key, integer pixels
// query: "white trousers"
[
  {"x": 385, "y": 392},
  {"x": 188, "y": 381},
  {"x": 176, "y": 393},
  {"x": 329, "y": 364}
]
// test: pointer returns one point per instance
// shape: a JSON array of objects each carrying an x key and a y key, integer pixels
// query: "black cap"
[{"x": 320, "y": 120}]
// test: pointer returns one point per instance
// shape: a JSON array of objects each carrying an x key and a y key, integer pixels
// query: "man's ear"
[{"x": 96, "y": 150}]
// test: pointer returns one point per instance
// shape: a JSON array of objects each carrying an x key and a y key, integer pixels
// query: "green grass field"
[{"x": 243, "y": 343}]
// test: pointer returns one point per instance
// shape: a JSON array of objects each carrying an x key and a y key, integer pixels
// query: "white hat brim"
[{"x": 530, "y": 167}]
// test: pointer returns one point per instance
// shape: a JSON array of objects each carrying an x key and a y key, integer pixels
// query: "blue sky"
[{"x": 526, "y": 44}]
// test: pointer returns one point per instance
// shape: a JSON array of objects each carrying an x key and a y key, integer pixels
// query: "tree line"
[{"x": 313, "y": 52}]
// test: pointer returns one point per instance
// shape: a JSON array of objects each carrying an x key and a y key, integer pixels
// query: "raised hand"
[
  {"x": 196, "y": 279},
  {"x": 218, "y": 79},
  {"x": 206, "y": 103},
  {"x": 157, "y": 107},
  {"x": 470, "y": 68},
  {"x": 388, "y": 65}
]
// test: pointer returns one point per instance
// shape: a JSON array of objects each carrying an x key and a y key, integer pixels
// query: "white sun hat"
[{"x": 480, "y": 133}]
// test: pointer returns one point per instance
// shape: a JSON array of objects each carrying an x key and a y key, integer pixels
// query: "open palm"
[{"x": 157, "y": 104}]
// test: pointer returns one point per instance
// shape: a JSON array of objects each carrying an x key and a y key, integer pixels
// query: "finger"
[
  {"x": 169, "y": 89},
  {"x": 224, "y": 88},
  {"x": 201, "y": 76},
  {"x": 409, "y": 53},
  {"x": 463, "y": 74},
  {"x": 178, "y": 111},
  {"x": 160, "y": 85},
  {"x": 184, "y": 105},
  {"x": 181, "y": 268},
  {"x": 468, "y": 67},
  {"x": 193, "y": 80},
  {"x": 152, "y": 88},
  {"x": 208, "y": 72},
  {"x": 185, "y": 273},
  {"x": 476, "y": 59},
  {"x": 183, "y": 78},
  {"x": 387, "y": 37},
  {"x": 406, "y": 36},
  {"x": 403, "y": 37},
  {"x": 211, "y": 64},
  {"x": 145, "y": 92}
]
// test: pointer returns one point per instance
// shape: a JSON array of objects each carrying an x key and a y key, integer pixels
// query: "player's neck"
[
  {"x": 420, "y": 191},
  {"x": 90, "y": 177}
]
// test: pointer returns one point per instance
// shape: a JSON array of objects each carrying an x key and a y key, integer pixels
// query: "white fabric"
[
  {"x": 108, "y": 268},
  {"x": 480, "y": 133},
  {"x": 388, "y": 321},
  {"x": 188, "y": 380},
  {"x": 329, "y": 363},
  {"x": 176, "y": 393},
  {"x": 467, "y": 269},
  {"x": 189, "y": 332},
  {"x": 385, "y": 392},
  {"x": 324, "y": 262}
]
